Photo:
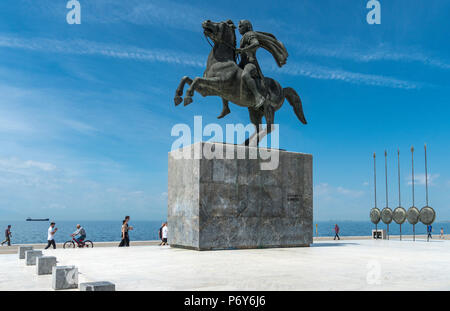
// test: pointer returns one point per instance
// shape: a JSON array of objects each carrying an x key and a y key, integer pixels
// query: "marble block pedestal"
[
  {"x": 45, "y": 264},
  {"x": 22, "y": 250},
  {"x": 103, "y": 286},
  {"x": 31, "y": 256},
  {"x": 64, "y": 277},
  {"x": 231, "y": 203}
]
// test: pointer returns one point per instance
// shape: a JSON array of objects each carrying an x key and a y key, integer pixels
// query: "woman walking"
[
  {"x": 336, "y": 232},
  {"x": 125, "y": 228}
]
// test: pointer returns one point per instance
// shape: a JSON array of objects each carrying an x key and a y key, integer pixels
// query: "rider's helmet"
[{"x": 248, "y": 25}]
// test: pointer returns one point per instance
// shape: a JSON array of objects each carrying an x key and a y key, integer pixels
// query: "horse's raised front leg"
[
  {"x": 179, "y": 92},
  {"x": 205, "y": 86}
]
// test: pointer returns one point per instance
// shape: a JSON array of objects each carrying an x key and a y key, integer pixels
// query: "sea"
[{"x": 28, "y": 232}]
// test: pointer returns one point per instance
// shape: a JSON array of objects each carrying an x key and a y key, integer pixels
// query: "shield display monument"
[{"x": 236, "y": 200}]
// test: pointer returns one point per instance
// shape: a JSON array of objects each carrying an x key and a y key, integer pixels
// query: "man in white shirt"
[
  {"x": 51, "y": 236},
  {"x": 164, "y": 234}
]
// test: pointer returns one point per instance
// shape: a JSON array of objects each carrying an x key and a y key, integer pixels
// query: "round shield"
[
  {"x": 399, "y": 215},
  {"x": 386, "y": 215},
  {"x": 375, "y": 215},
  {"x": 427, "y": 215},
  {"x": 413, "y": 215}
]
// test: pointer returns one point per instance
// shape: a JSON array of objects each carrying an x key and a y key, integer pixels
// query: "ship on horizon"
[{"x": 37, "y": 219}]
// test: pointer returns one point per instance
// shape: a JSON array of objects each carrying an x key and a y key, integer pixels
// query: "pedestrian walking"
[
  {"x": 160, "y": 233},
  {"x": 8, "y": 236},
  {"x": 336, "y": 232},
  {"x": 429, "y": 230},
  {"x": 165, "y": 232},
  {"x": 125, "y": 241},
  {"x": 51, "y": 236}
]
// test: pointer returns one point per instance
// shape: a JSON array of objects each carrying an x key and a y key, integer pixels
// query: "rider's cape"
[{"x": 273, "y": 45}]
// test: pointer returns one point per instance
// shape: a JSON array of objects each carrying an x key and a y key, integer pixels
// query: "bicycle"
[{"x": 81, "y": 244}]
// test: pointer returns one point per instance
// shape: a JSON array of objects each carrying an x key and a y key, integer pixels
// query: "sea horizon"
[{"x": 31, "y": 232}]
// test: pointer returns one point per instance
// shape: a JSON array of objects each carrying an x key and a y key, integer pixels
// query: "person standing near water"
[
  {"x": 125, "y": 228},
  {"x": 124, "y": 234},
  {"x": 336, "y": 232},
  {"x": 442, "y": 233},
  {"x": 7, "y": 236},
  {"x": 160, "y": 233},
  {"x": 51, "y": 236},
  {"x": 429, "y": 230},
  {"x": 165, "y": 231}
]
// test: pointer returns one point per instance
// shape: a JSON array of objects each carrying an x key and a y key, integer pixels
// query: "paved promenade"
[
  {"x": 327, "y": 265},
  {"x": 13, "y": 248}
]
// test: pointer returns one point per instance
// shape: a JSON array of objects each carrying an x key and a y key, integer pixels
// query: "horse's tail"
[{"x": 291, "y": 95}]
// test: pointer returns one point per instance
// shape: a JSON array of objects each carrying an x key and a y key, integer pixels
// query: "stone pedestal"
[
  {"x": 30, "y": 257},
  {"x": 22, "y": 250},
  {"x": 64, "y": 277},
  {"x": 45, "y": 264},
  {"x": 233, "y": 203},
  {"x": 97, "y": 287}
]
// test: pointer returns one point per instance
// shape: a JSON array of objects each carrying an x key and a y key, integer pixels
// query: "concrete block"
[
  {"x": 22, "y": 250},
  {"x": 231, "y": 202},
  {"x": 30, "y": 257},
  {"x": 45, "y": 264},
  {"x": 64, "y": 277},
  {"x": 97, "y": 287}
]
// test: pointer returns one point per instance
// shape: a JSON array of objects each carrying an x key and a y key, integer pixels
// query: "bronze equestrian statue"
[{"x": 242, "y": 84}]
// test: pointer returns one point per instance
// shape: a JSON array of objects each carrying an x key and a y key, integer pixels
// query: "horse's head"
[{"x": 221, "y": 32}]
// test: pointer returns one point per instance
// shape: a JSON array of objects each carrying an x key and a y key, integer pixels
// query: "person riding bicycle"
[{"x": 82, "y": 234}]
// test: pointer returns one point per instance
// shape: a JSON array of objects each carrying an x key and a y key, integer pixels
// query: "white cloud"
[
  {"x": 80, "y": 126},
  {"x": 15, "y": 165},
  {"x": 419, "y": 179},
  {"x": 40, "y": 165},
  {"x": 29, "y": 185},
  {"x": 83, "y": 47},
  {"x": 339, "y": 202},
  {"x": 325, "y": 73},
  {"x": 349, "y": 192},
  {"x": 169, "y": 14},
  {"x": 382, "y": 52},
  {"x": 327, "y": 192},
  {"x": 321, "y": 189},
  {"x": 18, "y": 174}
]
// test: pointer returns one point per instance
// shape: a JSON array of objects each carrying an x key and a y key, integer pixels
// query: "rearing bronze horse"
[{"x": 223, "y": 78}]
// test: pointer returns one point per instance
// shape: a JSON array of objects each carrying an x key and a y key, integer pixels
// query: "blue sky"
[{"x": 86, "y": 110}]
